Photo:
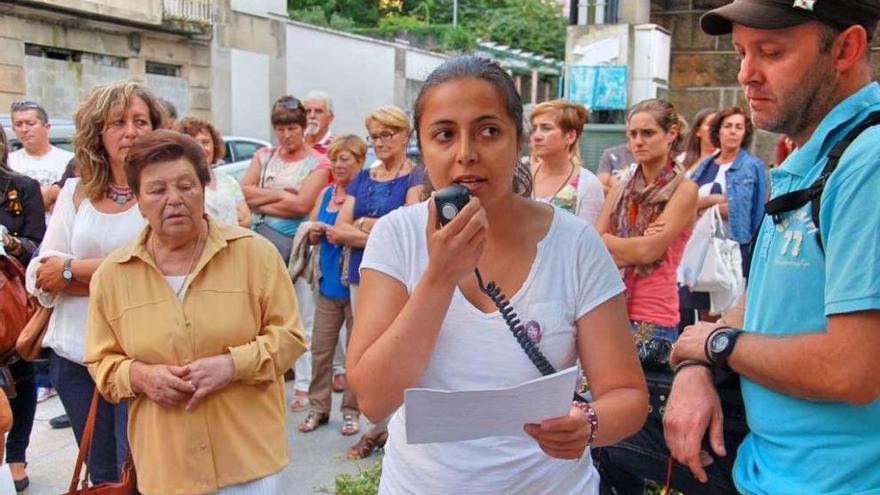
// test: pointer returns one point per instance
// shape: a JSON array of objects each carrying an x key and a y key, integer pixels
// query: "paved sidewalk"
[{"x": 316, "y": 457}]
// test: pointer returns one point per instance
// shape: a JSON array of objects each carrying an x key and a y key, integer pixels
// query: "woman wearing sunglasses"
[{"x": 280, "y": 188}]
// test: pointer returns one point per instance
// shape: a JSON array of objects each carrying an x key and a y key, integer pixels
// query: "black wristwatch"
[
  {"x": 719, "y": 345},
  {"x": 66, "y": 271}
]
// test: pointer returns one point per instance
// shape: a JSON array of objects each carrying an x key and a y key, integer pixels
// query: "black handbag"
[
  {"x": 727, "y": 384},
  {"x": 282, "y": 242}
]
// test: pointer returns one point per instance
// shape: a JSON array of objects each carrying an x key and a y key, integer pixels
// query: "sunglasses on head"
[
  {"x": 290, "y": 104},
  {"x": 24, "y": 105}
]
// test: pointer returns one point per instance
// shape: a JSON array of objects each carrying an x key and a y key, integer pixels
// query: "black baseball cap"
[{"x": 780, "y": 14}]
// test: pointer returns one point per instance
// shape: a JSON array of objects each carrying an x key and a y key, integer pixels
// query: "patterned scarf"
[{"x": 638, "y": 204}]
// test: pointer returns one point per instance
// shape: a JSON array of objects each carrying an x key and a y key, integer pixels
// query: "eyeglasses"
[
  {"x": 382, "y": 137},
  {"x": 290, "y": 104},
  {"x": 24, "y": 105}
]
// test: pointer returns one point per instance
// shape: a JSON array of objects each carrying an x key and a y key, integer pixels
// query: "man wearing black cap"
[{"x": 808, "y": 354}]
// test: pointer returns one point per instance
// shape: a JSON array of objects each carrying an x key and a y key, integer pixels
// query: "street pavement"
[{"x": 316, "y": 457}]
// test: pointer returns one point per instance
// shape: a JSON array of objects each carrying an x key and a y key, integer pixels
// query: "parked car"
[
  {"x": 60, "y": 133},
  {"x": 239, "y": 151}
]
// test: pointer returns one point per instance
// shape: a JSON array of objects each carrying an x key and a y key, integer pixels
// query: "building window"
[
  {"x": 55, "y": 53},
  {"x": 596, "y": 11},
  {"x": 161, "y": 69}
]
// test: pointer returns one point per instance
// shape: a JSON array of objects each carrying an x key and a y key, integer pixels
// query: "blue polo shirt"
[{"x": 799, "y": 446}]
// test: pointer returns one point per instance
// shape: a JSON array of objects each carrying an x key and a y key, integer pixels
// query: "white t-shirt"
[
  {"x": 222, "y": 202},
  {"x": 572, "y": 274},
  {"x": 46, "y": 169}
]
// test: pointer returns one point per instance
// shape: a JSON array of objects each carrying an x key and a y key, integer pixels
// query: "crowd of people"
[{"x": 182, "y": 299}]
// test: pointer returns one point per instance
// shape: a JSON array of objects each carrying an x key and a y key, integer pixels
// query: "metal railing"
[{"x": 197, "y": 12}]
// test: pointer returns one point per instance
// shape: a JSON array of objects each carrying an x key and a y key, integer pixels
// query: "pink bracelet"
[{"x": 592, "y": 418}]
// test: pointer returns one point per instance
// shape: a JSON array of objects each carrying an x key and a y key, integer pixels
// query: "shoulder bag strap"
[
  {"x": 84, "y": 445},
  {"x": 813, "y": 194},
  {"x": 264, "y": 167}
]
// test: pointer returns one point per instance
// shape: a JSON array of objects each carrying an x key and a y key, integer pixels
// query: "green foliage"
[
  {"x": 533, "y": 25},
  {"x": 311, "y": 15},
  {"x": 654, "y": 488},
  {"x": 360, "y": 12},
  {"x": 366, "y": 482},
  {"x": 421, "y": 33},
  {"x": 342, "y": 23}
]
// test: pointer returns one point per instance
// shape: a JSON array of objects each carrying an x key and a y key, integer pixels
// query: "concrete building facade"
[
  {"x": 55, "y": 51},
  {"x": 223, "y": 60}
]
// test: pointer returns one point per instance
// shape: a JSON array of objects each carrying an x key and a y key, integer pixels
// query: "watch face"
[
  {"x": 719, "y": 343},
  {"x": 67, "y": 274}
]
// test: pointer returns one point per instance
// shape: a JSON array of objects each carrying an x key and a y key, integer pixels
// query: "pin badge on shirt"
[
  {"x": 13, "y": 206},
  {"x": 533, "y": 331},
  {"x": 804, "y": 4}
]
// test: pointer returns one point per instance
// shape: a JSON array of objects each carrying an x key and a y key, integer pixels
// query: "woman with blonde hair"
[
  {"x": 558, "y": 175},
  {"x": 93, "y": 215},
  {"x": 333, "y": 306},
  {"x": 372, "y": 194},
  {"x": 224, "y": 199}
]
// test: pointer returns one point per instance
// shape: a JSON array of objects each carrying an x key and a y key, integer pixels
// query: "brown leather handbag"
[
  {"x": 14, "y": 306},
  {"x": 30, "y": 341},
  {"x": 80, "y": 485}
]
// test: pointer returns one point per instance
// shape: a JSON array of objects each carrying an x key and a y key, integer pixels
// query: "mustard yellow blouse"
[{"x": 239, "y": 300}]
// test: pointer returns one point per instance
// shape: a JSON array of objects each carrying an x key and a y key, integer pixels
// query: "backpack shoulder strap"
[{"x": 813, "y": 194}]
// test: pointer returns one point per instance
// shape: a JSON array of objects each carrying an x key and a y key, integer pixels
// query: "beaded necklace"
[
  {"x": 338, "y": 201},
  {"x": 119, "y": 194}
]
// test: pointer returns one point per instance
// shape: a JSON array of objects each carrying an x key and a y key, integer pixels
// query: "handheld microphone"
[{"x": 450, "y": 200}]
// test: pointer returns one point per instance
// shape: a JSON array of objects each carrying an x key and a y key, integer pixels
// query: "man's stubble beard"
[{"x": 806, "y": 105}]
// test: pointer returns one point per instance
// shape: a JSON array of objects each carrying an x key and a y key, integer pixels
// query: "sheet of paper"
[{"x": 445, "y": 416}]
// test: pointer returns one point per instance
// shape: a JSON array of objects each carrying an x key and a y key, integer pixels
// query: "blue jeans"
[
  {"x": 645, "y": 330},
  {"x": 23, "y": 407},
  {"x": 41, "y": 373},
  {"x": 110, "y": 441}
]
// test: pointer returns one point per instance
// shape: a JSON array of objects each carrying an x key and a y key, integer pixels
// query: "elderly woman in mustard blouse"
[{"x": 195, "y": 323}]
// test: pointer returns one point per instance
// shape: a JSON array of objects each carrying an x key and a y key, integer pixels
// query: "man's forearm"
[{"x": 799, "y": 365}]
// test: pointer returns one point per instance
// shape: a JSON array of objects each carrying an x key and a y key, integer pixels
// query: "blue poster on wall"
[{"x": 598, "y": 87}]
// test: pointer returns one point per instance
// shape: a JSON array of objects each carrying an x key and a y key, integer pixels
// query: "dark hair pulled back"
[{"x": 470, "y": 66}]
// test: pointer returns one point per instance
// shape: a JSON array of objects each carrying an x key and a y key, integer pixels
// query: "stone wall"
[
  {"x": 104, "y": 52},
  {"x": 703, "y": 69}
]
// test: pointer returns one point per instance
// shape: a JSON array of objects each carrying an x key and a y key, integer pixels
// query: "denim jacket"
[{"x": 746, "y": 193}]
